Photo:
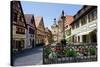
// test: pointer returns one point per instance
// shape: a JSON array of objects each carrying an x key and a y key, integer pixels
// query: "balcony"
[{"x": 84, "y": 28}]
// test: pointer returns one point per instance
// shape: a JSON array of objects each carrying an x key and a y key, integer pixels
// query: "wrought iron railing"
[{"x": 83, "y": 52}]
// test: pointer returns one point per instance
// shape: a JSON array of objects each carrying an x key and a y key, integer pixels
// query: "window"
[
  {"x": 78, "y": 39},
  {"x": 77, "y": 24},
  {"x": 92, "y": 16},
  {"x": 22, "y": 43},
  {"x": 31, "y": 31},
  {"x": 20, "y": 30},
  {"x": 15, "y": 17},
  {"x": 75, "y": 39},
  {"x": 23, "y": 30},
  {"x": 89, "y": 17},
  {"x": 66, "y": 26},
  {"x": 84, "y": 38},
  {"x": 84, "y": 20}
]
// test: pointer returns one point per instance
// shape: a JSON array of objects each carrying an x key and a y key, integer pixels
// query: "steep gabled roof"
[
  {"x": 28, "y": 18},
  {"x": 38, "y": 20},
  {"x": 15, "y": 4},
  {"x": 47, "y": 30}
]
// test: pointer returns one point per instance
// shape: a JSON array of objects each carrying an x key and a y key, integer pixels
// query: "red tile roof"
[{"x": 69, "y": 19}]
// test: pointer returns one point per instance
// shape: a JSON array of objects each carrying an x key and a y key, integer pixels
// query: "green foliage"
[
  {"x": 53, "y": 55},
  {"x": 92, "y": 51},
  {"x": 69, "y": 40},
  {"x": 70, "y": 52},
  {"x": 47, "y": 51},
  {"x": 68, "y": 32},
  {"x": 59, "y": 54}
]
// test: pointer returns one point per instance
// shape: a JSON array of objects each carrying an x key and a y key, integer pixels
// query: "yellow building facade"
[{"x": 40, "y": 30}]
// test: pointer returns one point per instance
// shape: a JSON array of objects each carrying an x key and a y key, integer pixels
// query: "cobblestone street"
[{"x": 29, "y": 57}]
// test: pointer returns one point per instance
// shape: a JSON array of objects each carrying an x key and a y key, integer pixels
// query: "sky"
[{"x": 49, "y": 11}]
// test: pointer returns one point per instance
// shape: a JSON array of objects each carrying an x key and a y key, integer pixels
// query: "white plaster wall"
[{"x": 89, "y": 26}]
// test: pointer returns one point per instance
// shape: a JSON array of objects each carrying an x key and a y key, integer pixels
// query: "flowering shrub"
[
  {"x": 47, "y": 51},
  {"x": 70, "y": 52}
]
